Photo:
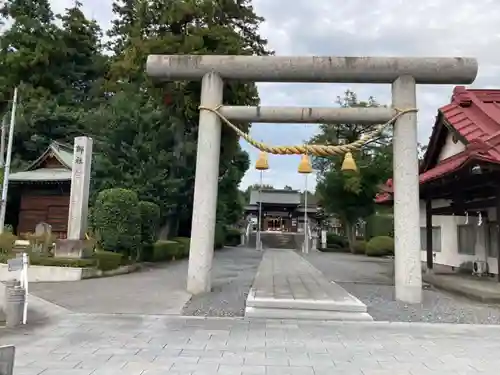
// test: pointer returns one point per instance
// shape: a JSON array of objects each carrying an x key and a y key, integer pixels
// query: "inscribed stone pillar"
[{"x": 80, "y": 185}]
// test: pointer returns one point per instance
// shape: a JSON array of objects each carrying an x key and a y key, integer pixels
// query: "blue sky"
[{"x": 358, "y": 28}]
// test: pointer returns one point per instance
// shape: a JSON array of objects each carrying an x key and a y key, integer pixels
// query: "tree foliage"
[
  {"x": 144, "y": 133},
  {"x": 346, "y": 194}
]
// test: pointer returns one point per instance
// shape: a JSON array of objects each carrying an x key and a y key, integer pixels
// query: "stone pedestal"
[
  {"x": 7, "y": 356},
  {"x": 14, "y": 308},
  {"x": 9, "y": 284},
  {"x": 74, "y": 249},
  {"x": 80, "y": 185}
]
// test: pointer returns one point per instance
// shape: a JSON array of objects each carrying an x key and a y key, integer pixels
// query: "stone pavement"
[
  {"x": 96, "y": 344},
  {"x": 288, "y": 286},
  {"x": 157, "y": 289}
]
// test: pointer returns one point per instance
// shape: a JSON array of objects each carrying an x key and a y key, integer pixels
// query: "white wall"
[
  {"x": 450, "y": 148},
  {"x": 449, "y": 255}
]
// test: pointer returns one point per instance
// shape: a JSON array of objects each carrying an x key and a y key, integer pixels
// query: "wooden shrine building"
[
  {"x": 282, "y": 210},
  {"x": 41, "y": 193}
]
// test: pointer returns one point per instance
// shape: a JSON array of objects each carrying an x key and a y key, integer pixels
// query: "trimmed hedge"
[
  {"x": 167, "y": 250},
  {"x": 359, "y": 247},
  {"x": 380, "y": 246},
  {"x": 220, "y": 236},
  {"x": 62, "y": 262},
  {"x": 184, "y": 244},
  {"x": 150, "y": 221},
  {"x": 379, "y": 225},
  {"x": 107, "y": 260},
  {"x": 335, "y": 240},
  {"x": 233, "y": 237},
  {"x": 117, "y": 221},
  {"x": 102, "y": 260}
]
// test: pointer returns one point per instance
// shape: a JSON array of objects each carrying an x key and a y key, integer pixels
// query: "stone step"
[
  {"x": 269, "y": 313},
  {"x": 340, "y": 304},
  {"x": 287, "y": 286}
]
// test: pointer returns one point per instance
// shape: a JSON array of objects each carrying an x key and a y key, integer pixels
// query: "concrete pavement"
[{"x": 83, "y": 344}]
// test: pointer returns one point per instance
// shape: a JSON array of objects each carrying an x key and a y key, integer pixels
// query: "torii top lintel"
[{"x": 425, "y": 70}]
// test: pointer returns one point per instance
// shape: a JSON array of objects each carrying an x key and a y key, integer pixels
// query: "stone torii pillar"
[{"x": 402, "y": 73}]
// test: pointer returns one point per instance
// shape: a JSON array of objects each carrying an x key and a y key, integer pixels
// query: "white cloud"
[{"x": 359, "y": 28}]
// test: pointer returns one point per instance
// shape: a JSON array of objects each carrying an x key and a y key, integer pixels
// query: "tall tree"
[
  {"x": 191, "y": 27},
  {"x": 56, "y": 70},
  {"x": 87, "y": 66},
  {"x": 350, "y": 195}
]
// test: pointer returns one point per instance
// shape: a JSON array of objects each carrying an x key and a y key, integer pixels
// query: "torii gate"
[{"x": 401, "y": 72}]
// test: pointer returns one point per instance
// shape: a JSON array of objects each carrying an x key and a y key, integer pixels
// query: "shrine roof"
[
  {"x": 62, "y": 152},
  {"x": 275, "y": 196},
  {"x": 42, "y": 175},
  {"x": 473, "y": 116},
  {"x": 33, "y": 173}
]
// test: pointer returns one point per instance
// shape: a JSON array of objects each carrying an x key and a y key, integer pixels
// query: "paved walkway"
[
  {"x": 288, "y": 286},
  {"x": 147, "y": 345},
  {"x": 158, "y": 289}
]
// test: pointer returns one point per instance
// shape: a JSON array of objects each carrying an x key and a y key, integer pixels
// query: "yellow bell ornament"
[
  {"x": 262, "y": 163},
  {"x": 349, "y": 164},
  {"x": 305, "y": 165}
]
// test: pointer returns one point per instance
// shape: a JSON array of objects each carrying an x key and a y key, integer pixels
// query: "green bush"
[
  {"x": 233, "y": 237},
  {"x": 7, "y": 242},
  {"x": 359, "y": 247},
  {"x": 220, "y": 236},
  {"x": 166, "y": 250},
  {"x": 184, "y": 244},
  {"x": 117, "y": 221},
  {"x": 379, "y": 225},
  {"x": 107, "y": 260},
  {"x": 380, "y": 246},
  {"x": 334, "y": 240},
  {"x": 150, "y": 222}
]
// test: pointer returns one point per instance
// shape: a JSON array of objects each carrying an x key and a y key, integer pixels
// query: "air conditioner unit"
[{"x": 480, "y": 268}]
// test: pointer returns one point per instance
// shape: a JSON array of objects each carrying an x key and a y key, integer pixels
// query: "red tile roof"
[{"x": 475, "y": 115}]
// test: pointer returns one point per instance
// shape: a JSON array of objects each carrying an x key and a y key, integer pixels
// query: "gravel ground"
[
  {"x": 371, "y": 281},
  {"x": 233, "y": 273}
]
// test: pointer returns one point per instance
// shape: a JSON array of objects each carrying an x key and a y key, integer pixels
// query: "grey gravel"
[
  {"x": 370, "y": 279},
  {"x": 233, "y": 273}
]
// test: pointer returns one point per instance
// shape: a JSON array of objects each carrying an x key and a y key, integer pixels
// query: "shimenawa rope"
[{"x": 316, "y": 150}]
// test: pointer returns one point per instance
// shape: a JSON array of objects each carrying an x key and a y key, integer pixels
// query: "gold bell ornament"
[
  {"x": 262, "y": 163},
  {"x": 349, "y": 164},
  {"x": 305, "y": 165}
]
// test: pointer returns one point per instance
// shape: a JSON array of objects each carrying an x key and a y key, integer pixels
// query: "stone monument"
[{"x": 74, "y": 245}]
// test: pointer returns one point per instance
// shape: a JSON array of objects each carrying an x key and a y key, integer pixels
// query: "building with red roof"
[{"x": 460, "y": 183}]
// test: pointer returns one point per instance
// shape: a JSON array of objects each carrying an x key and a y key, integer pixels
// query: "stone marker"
[
  {"x": 7, "y": 355},
  {"x": 43, "y": 229},
  {"x": 80, "y": 185},
  {"x": 74, "y": 246}
]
